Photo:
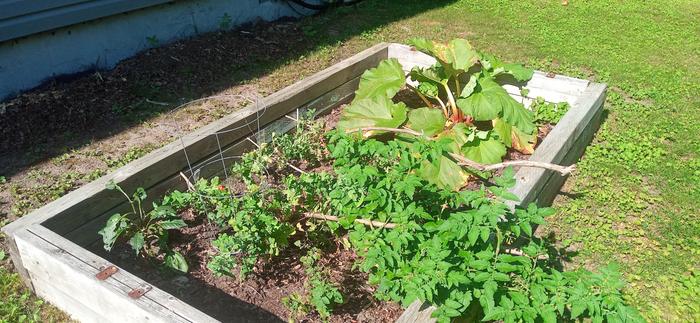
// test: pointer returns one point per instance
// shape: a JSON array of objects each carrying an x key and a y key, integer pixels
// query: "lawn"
[{"x": 635, "y": 198}]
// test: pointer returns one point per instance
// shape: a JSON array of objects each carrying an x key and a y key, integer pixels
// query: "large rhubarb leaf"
[
  {"x": 444, "y": 173},
  {"x": 497, "y": 67},
  {"x": 459, "y": 134},
  {"x": 384, "y": 80},
  {"x": 424, "y": 45},
  {"x": 426, "y": 120},
  {"x": 430, "y": 79},
  {"x": 517, "y": 115},
  {"x": 488, "y": 150},
  {"x": 456, "y": 57},
  {"x": 487, "y": 100},
  {"x": 523, "y": 142},
  {"x": 503, "y": 130},
  {"x": 373, "y": 112}
]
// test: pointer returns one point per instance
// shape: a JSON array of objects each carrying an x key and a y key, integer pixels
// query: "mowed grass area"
[{"x": 636, "y": 197}]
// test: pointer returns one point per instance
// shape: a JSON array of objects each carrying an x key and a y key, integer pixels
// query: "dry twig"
[{"x": 464, "y": 161}]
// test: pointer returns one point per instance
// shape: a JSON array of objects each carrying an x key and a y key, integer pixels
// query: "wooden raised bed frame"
[{"x": 49, "y": 247}]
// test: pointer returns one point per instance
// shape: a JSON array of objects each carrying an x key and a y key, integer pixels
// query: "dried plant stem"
[
  {"x": 187, "y": 181},
  {"x": 374, "y": 224},
  {"x": 464, "y": 161},
  {"x": 563, "y": 170}
]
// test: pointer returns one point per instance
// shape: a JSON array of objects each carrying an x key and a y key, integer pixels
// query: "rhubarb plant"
[{"x": 463, "y": 102}]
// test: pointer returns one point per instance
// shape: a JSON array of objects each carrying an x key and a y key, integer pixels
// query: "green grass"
[{"x": 636, "y": 197}]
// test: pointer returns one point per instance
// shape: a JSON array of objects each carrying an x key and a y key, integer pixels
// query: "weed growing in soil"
[
  {"x": 321, "y": 295},
  {"x": 547, "y": 112},
  {"x": 146, "y": 232}
]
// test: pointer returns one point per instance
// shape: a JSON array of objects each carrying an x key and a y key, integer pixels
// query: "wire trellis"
[{"x": 219, "y": 162}]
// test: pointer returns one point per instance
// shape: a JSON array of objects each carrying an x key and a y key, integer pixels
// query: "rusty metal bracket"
[
  {"x": 140, "y": 291},
  {"x": 106, "y": 272}
]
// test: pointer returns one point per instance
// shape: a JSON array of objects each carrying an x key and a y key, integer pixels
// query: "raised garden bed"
[{"x": 56, "y": 248}]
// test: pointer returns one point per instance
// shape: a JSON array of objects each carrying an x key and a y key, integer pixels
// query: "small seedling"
[{"x": 145, "y": 232}]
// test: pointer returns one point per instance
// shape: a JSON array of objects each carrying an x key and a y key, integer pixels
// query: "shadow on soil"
[{"x": 72, "y": 111}]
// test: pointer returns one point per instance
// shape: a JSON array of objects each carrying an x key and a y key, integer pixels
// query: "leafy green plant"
[
  {"x": 146, "y": 232},
  {"x": 464, "y": 103},
  {"x": 546, "y": 112},
  {"x": 255, "y": 229},
  {"x": 322, "y": 295},
  {"x": 454, "y": 248}
]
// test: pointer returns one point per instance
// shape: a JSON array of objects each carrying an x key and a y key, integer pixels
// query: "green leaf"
[
  {"x": 175, "y": 260},
  {"x": 446, "y": 174},
  {"x": 457, "y": 56},
  {"x": 459, "y": 134},
  {"x": 487, "y": 151},
  {"x": 433, "y": 75},
  {"x": 487, "y": 101},
  {"x": 423, "y": 45},
  {"x": 428, "y": 89},
  {"x": 577, "y": 309},
  {"x": 137, "y": 242},
  {"x": 503, "y": 130},
  {"x": 468, "y": 88},
  {"x": 385, "y": 80},
  {"x": 497, "y": 67},
  {"x": 111, "y": 185},
  {"x": 172, "y": 224},
  {"x": 115, "y": 227},
  {"x": 519, "y": 72},
  {"x": 375, "y": 112},
  {"x": 426, "y": 120},
  {"x": 517, "y": 115}
]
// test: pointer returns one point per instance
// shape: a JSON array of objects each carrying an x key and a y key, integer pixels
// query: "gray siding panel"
[
  {"x": 16, "y": 8},
  {"x": 24, "y": 18}
]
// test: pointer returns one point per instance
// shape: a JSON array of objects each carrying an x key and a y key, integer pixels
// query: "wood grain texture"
[{"x": 71, "y": 269}]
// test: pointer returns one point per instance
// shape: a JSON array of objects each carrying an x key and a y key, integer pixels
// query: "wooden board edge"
[
  {"x": 58, "y": 256},
  {"x": 559, "y": 142}
]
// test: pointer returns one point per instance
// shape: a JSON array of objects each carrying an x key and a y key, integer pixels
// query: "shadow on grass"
[{"x": 73, "y": 111}]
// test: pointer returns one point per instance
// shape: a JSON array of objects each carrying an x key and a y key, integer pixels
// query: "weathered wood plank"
[
  {"x": 559, "y": 142},
  {"x": 156, "y": 300},
  {"x": 82, "y": 204},
  {"x": 63, "y": 270}
]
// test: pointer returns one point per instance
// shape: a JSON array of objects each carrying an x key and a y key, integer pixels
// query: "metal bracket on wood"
[
  {"x": 106, "y": 272},
  {"x": 140, "y": 291}
]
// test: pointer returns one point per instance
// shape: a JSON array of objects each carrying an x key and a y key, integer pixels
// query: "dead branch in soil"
[
  {"x": 187, "y": 181},
  {"x": 464, "y": 161},
  {"x": 389, "y": 225},
  {"x": 374, "y": 224}
]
